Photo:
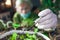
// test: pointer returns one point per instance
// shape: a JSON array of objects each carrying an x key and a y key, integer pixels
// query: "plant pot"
[{"x": 22, "y": 32}]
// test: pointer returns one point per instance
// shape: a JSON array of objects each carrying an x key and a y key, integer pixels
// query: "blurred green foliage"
[{"x": 54, "y": 6}]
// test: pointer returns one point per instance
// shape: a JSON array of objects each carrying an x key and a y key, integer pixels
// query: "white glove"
[{"x": 47, "y": 19}]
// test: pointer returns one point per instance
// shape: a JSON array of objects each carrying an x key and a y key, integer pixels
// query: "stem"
[{"x": 9, "y": 22}]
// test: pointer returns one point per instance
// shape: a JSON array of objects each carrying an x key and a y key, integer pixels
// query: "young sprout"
[
  {"x": 31, "y": 37},
  {"x": 35, "y": 30},
  {"x": 27, "y": 39},
  {"x": 15, "y": 26},
  {"x": 22, "y": 37},
  {"x": 9, "y": 24},
  {"x": 2, "y": 25},
  {"x": 14, "y": 36}
]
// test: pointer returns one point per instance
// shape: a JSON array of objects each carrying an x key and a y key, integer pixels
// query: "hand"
[{"x": 47, "y": 19}]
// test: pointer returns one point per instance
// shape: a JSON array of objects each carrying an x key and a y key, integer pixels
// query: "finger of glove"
[
  {"x": 37, "y": 20},
  {"x": 49, "y": 20},
  {"x": 49, "y": 16},
  {"x": 50, "y": 25},
  {"x": 44, "y": 12}
]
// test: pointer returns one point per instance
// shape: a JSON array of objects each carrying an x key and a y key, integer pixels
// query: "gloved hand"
[{"x": 47, "y": 20}]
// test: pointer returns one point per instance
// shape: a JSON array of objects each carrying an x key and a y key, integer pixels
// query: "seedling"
[
  {"x": 14, "y": 36},
  {"x": 15, "y": 26},
  {"x": 32, "y": 37},
  {"x": 36, "y": 30},
  {"x": 2, "y": 25},
  {"x": 22, "y": 37}
]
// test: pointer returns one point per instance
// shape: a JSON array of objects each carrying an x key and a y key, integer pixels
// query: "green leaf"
[
  {"x": 16, "y": 25},
  {"x": 27, "y": 23},
  {"x": 14, "y": 36},
  {"x": 35, "y": 30},
  {"x": 34, "y": 36},
  {"x": 27, "y": 39},
  {"x": 27, "y": 35},
  {"x": 21, "y": 36}
]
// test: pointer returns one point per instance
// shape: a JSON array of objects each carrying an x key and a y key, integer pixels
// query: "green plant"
[
  {"x": 32, "y": 37},
  {"x": 26, "y": 36},
  {"x": 27, "y": 23},
  {"x": 35, "y": 30},
  {"x": 2, "y": 25},
  {"x": 13, "y": 37},
  {"x": 9, "y": 24},
  {"x": 54, "y": 6},
  {"x": 15, "y": 26},
  {"x": 22, "y": 37}
]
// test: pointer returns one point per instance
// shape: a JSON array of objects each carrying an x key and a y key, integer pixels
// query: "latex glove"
[{"x": 47, "y": 19}]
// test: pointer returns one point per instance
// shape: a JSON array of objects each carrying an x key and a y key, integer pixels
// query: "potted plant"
[{"x": 23, "y": 35}]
